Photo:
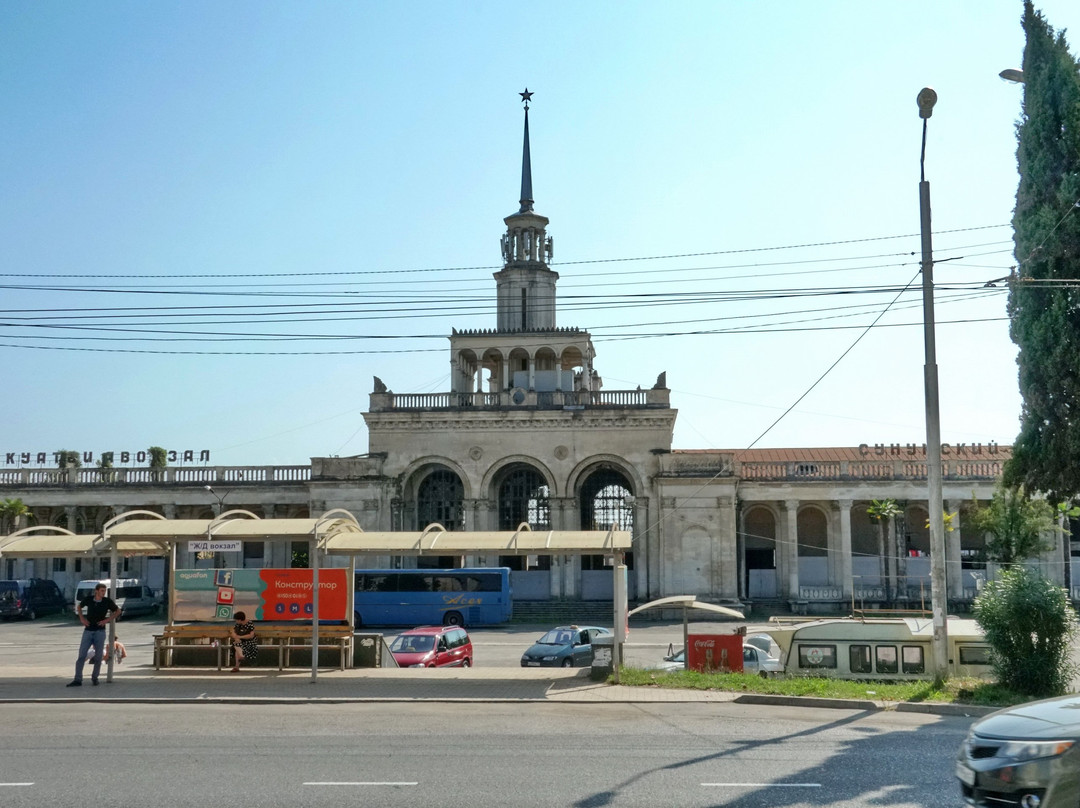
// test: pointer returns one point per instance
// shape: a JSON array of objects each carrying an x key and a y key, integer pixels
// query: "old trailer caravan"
[{"x": 888, "y": 648}]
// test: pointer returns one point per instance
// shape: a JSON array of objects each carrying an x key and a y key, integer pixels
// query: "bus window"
[
  {"x": 974, "y": 655},
  {"x": 485, "y": 582},
  {"x": 886, "y": 658},
  {"x": 817, "y": 656},
  {"x": 859, "y": 659},
  {"x": 911, "y": 658},
  {"x": 449, "y": 583}
]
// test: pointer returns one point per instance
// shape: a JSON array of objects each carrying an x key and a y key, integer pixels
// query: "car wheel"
[
  {"x": 465, "y": 662},
  {"x": 453, "y": 619},
  {"x": 568, "y": 662},
  {"x": 31, "y": 615},
  {"x": 763, "y": 674}
]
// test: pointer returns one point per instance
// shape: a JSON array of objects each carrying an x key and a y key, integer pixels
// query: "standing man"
[{"x": 100, "y": 611}]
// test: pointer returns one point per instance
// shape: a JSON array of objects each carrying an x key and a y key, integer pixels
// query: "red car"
[{"x": 433, "y": 647}]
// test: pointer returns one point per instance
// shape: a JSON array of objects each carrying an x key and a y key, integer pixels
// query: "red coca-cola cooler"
[{"x": 714, "y": 652}]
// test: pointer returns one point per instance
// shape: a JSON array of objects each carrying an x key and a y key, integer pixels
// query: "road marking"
[
  {"x": 15, "y": 784},
  {"x": 365, "y": 783},
  {"x": 761, "y": 785}
]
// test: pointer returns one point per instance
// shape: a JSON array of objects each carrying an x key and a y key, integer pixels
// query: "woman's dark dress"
[{"x": 250, "y": 648}]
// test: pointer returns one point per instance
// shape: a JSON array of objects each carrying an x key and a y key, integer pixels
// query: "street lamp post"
[
  {"x": 938, "y": 594},
  {"x": 219, "y": 497}
]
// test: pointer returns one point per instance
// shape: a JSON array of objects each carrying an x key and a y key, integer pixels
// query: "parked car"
[
  {"x": 30, "y": 597},
  {"x": 1027, "y": 755},
  {"x": 563, "y": 647},
  {"x": 132, "y": 595},
  {"x": 433, "y": 647},
  {"x": 754, "y": 661}
]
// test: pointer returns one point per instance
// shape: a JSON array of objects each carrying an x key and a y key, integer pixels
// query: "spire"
[{"x": 526, "y": 163}]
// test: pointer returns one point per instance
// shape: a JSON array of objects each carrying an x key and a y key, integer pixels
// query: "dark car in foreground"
[
  {"x": 563, "y": 647},
  {"x": 1027, "y": 756},
  {"x": 30, "y": 598}
]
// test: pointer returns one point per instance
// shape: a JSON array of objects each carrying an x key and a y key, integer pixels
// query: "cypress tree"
[{"x": 1044, "y": 300}]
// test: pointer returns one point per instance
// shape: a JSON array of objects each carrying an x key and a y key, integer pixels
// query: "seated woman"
[{"x": 244, "y": 641}]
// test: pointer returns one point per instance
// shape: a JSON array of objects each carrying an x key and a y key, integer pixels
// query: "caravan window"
[
  {"x": 859, "y": 659},
  {"x": 817, "y": 656},
  {"x": 974, "y": 655},
  {"x": 886, "y": 658},
  {"x": 911, "y": 656}
]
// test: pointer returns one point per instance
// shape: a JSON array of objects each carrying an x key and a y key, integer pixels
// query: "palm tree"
[
  {"x": 883, "y": 511},
  {"x": 11, "y": 510}
]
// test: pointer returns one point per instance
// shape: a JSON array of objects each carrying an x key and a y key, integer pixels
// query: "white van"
[{"x": 132, "y": 595}]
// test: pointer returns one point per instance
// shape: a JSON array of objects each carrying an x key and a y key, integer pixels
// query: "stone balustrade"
[
  {"x": 517, "y": 399},
  {"x": 178, "y": 475},
  {"x": 868, "y": 470}
]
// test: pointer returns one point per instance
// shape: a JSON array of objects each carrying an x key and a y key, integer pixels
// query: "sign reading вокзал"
[{"x": 216, "y": 546}]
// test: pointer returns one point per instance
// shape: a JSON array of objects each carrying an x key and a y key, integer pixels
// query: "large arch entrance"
[{"x": 605, "y": 500}]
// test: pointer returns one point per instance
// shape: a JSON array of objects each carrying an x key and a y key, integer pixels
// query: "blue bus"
[{"x": 418, "y": 597}]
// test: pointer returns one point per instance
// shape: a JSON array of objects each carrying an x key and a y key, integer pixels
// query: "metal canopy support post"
[
  {"x": 110, "y": 640},
  {"x": 686, "y": 636},
  {"x": 315, "y": 605},
  {"x": 620, "y": 616}
]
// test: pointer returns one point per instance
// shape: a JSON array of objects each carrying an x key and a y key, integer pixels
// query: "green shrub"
[{"x": 1030, "y": 626}]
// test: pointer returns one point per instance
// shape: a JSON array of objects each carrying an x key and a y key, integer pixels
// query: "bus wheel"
[
  {"x": 357, "y": 622},
  {"x": 453, "y": 619}
]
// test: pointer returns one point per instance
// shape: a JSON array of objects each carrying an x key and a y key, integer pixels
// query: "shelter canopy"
[{"x": 337, "y": 532}]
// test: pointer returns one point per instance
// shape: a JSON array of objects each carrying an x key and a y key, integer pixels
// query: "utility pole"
[{"x": 938, "y": 595}]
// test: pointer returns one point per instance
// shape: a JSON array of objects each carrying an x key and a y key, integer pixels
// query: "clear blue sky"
[{"x": 162, "y": 156}]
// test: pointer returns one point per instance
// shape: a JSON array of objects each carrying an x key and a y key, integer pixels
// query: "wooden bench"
[{"x": 286, "y": 637}]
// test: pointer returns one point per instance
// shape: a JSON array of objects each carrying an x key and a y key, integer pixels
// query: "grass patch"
[{"x": 954, "y": 691}]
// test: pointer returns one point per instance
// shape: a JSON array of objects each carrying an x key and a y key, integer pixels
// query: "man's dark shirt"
[{"x": 97, "y": 610}]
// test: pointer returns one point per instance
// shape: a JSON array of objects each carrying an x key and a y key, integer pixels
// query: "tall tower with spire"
[
  {"x": 525, "y": 287},
  {"x": 527, "y": 359}
]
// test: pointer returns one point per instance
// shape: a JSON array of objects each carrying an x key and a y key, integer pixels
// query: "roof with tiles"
[{"x": 988, "y": 451}]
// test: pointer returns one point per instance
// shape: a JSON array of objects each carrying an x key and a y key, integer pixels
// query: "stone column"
[
  {"x": 643, "y": 549},
  {"x": 954, "y": 573},
  {"x": 844, "y": 550},
  {"x": 532, "y": 373},
  {"x": 791, "y": 546},
  {"x": 725, "y": 548}
]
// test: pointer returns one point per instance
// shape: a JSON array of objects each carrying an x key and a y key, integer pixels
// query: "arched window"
[
  {"x": 605, "y": 501},
  {"x": 524, "y": 497},
  {"x": 439, "y": 499}
]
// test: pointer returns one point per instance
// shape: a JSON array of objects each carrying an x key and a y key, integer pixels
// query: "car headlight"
[
  {"x": 417, "y": 665},
  {"x": 551, "y": 658},
  {"x": 1031, "y": 750}
]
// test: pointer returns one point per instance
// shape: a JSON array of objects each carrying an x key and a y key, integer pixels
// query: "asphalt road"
[{"x": 583, "y": 755}]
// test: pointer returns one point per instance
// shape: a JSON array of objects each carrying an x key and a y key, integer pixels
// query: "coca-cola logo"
[{"x": 704, "y": 643}]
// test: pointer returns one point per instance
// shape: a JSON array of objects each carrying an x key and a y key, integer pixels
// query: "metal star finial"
[{"x": 526, "y": 97}]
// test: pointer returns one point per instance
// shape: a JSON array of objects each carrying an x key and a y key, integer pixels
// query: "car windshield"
[
  {"x": 412, "y": 644},
  {"x": 557, "y": 636}
]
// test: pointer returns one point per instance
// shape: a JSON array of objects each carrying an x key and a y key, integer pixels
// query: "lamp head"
[
  {"x": 1013, "y": 75},
  {"x": 208, "y": 488},
  {"x": 926, "y": 99}
]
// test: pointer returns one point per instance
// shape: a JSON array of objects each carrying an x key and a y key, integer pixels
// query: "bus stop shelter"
[{"x": 335, "y": 533}]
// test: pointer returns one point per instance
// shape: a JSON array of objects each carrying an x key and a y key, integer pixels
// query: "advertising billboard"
[{"x": 262, "y": 594}]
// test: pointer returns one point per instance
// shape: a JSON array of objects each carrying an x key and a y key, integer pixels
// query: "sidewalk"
[{"x": 143, "y": 684}]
